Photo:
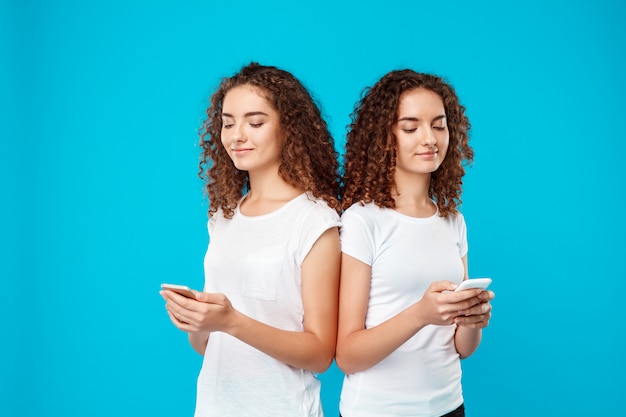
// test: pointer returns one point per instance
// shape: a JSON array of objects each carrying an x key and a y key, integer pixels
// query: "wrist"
[
  {"x": 234, "y": 323},
  {"x": 417, "y": 316}
]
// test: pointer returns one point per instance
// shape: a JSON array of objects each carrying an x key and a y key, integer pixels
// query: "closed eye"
[
  {"x": 256, "y": 125},
  {"x": 409, "y": 130},
  {"x": 442, "y": 123}
]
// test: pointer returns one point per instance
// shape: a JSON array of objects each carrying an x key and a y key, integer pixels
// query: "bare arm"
[
  {"x": 358, "y": 348},
  {"x": 198, "y": 341},
  {"x": 311, "y": 349}
]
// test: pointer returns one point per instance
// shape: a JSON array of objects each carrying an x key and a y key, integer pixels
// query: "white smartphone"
[
  {"x": 481, "y": 283},
  {"x": 179, "y": 289}
]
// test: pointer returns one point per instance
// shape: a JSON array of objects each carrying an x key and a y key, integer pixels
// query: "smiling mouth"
[
  {"x": 241, "y": 150},
  {"x": 428, "y": 154}
]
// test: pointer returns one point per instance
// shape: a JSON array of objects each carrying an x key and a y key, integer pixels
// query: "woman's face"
[
  {"x": 250, "y": 130},
  {"x": 421, "y": 132}
]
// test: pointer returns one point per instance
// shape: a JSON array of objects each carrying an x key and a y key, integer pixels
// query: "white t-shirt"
[
  {"x": 256, "y": 262},
  {"x": 423, "y": 376}
]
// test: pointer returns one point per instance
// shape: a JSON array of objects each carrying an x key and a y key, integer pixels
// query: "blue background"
[{"x": 100, "y": 104}]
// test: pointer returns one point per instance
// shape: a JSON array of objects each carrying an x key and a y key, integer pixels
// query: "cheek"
[
  {"x": 443, "y": 144},
  {"x": 403, "y": 145}
]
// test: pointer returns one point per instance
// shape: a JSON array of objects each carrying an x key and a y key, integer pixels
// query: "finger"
[
  {"x": 487, "y": 295},
  {"x": 212, "y": 298},
  {"x": 475, "y": 321},
  {"x": 173, "y": 317},
  {"x": 175, "y": 298},
  {"x": 197, "y": 316},
  {"x": 459, "y": 296},
  {"x": 175, "y": 312},
  {"x": 476, "y": 326},
  {"x": 183, "y": 305},
  {"x": 480, "y": 308},
  {"x": 181, "y": 325},
  {"x": 465, "y": 307},
  {"x": 478, "y": 314},
  {"x": 440, "y": 286}
]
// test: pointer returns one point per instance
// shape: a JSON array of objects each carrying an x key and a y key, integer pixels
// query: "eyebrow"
[
  {"x": 415, "y": 119},
  {"x": 252, "y": 113}
]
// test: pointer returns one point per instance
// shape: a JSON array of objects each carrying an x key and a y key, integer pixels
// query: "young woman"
[
  {"x": 266, "y": 322},
  {"x": 402, "y": 328}
]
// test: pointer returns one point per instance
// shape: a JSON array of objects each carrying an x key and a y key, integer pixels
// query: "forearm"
[
  {"x": 467, "y": 340},
  {"x": 365, "y": 348},
  {"x": 198, "y": 341},
  {"x": 304, "y": 350}
]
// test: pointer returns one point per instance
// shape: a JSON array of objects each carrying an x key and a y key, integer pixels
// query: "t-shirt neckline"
[{"x": 271, "y": 213}]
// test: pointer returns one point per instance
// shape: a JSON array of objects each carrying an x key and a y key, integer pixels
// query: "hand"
[
  {"x": 208, "y": 312},
  {"x": 477, "y": 317},
  {"x": 440, "y": 305}
]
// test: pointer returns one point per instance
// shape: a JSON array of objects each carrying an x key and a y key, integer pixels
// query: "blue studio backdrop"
[{"x": 100, "y": 202}]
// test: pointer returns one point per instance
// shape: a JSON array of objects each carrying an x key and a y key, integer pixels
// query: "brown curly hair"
[
  {"x": 370, "y": 157},
  {"x": 308, "y": 156}
]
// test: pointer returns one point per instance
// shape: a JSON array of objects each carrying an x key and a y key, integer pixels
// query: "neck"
[
  {"x": 411, "y": 196},
  {"x": 270, "y": 186}
]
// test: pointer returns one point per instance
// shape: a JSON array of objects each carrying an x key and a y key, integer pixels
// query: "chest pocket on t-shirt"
[{"x": 261, "y": 277}]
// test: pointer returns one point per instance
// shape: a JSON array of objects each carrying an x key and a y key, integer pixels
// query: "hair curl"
[
  {"x": 308, "y": 156},
  {"x": 370, "y": 157}
]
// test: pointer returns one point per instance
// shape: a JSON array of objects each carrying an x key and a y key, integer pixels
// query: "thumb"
[
  {"x": 202, "y": 296},
  {"x": 212, "y": 298},
  {"x": 440, "y": 286}
]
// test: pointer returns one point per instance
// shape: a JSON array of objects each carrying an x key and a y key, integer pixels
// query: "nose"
[
  {"x": 237, "y": 134},
  {"x": 429, "y": 137}
]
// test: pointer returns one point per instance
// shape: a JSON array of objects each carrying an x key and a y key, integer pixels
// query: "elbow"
[
  {"x": 343, "y": 363},
  {"x": 465, "y": 353},
  {"x": 317, "y": 361},
  {"x": 322, "y": 364},
  {"x": 342, "y": 366},
  {"x": 323, "y": 360}
]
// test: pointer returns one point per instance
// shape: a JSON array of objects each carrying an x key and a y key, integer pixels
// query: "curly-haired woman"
[
  {"x": 266, "y": 322},
  {"x": 402, "y": 328}
]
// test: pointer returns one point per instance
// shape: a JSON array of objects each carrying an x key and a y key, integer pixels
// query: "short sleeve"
[
  {"x": 356, "y": 237},
  {"x": 317, "y": 220},
  {"x": 461, "y": 229},
  {"x": 210, "y": 225}
]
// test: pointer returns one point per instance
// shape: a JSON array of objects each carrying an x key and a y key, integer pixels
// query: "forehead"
[
  {"x": 420, "y": 102},
  {"x": 245, "y": 98}
]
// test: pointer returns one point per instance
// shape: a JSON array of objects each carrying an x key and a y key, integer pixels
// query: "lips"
[
  {"x": 241, "y": 151},
  {"x": 428, "y": 154}
]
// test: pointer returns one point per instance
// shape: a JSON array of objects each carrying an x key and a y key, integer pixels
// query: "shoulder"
[
  {"x": 366, "y": 212},
  {"x": 456, "y": 219},
  {"x": 363, "y": 209},
  {"x": 364, "y": 220},
  {"x": 313, "y": 207},
  {"x": 455, "y": 222},
  {"x": 214, "y": 219}
]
